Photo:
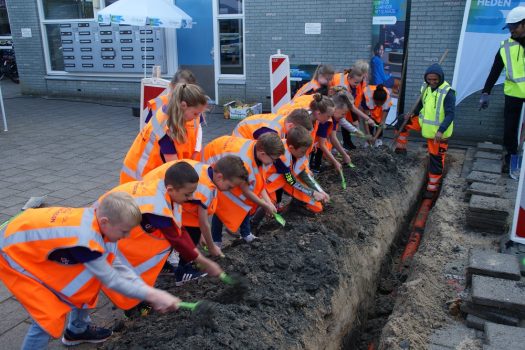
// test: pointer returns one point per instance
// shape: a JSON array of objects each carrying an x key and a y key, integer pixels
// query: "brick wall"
[{"x": 29, "y": 51}]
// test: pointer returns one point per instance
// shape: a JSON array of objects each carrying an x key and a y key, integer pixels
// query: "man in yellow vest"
[
  {"x": 435, "y": 120},
  {"x": 511, "y": 55}
]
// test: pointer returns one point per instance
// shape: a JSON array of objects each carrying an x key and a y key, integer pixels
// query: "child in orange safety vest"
[
  {"x": 234, "y": 206},
  {"x": 228, "y": 173},
  {"x": 148, "y": 246},
  {"x": 319, "y": 83},
  {"x": 281, "y": 175},
  {"x": 291, "y": 172},
  {"x": 256, "y": 125},
  {"x": 166, "y": 136},
  {"x": 182, "y": 76},
  {"x": 339, "y": 104},
  {"x": 353, "y": 80},
  {"x": 194, "y": 128},
  {"x": 376, "y": 104},
  {"x": 55, "y": 260}
]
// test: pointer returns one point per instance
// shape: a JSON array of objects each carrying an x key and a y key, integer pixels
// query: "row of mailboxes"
[{"x": 99, "y": 48}]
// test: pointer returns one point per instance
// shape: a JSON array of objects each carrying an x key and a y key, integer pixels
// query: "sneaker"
[
  {"x": 92, "y": 334},
  {"x": 186, "y": 273},
  {"x": 378, "y": 143},
  {"x": 250, "y": 238}
]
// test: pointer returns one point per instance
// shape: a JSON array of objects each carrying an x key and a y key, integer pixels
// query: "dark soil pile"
[{"x": 306, "y": 280}]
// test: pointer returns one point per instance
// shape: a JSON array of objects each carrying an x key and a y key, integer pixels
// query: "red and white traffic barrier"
[
  {"x": 279, "y": 80},
  {"x": 150, "y": 88}
]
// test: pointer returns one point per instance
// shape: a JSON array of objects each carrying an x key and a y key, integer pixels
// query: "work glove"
[{"x": 484, "y": 101}]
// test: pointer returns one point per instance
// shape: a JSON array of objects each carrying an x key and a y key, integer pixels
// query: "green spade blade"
[
  {"x": 224, "y": 277},
  {"x": 352, "y": 165},
  {"x": 279, "y": 219},
  {"x": 343, "y": 180},
  {"x": 188, "y": 306}
]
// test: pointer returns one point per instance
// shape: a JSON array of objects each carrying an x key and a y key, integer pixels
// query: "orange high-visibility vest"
[
  {"x": 308, "y": 88},
  {"x": 145, "y": 252},
  {"x": 157, "y": 103},
  {"x": 249, "y": 126},
  {"x": 275, "y": 181},
  {"x": 233, "y": 205},
  {"x": 206, "y": 192},
  {"x": 48, "y": 289},
  {"x": 376, "y": 112},
  {"x": 300, "y": 102},
  {"x": 144, "y": 154},
  {"x": 341, "y": 79}
]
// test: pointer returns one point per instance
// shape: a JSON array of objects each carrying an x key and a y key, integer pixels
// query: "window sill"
[
  {"x": 104, "y": 78},
  {"x": 231, "y": 81}
]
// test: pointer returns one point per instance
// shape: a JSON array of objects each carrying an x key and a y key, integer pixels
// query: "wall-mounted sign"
[{"x": 312, "y": 28}]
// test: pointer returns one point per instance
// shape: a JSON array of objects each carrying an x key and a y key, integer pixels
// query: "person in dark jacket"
[{"x": 436, "y": 112}]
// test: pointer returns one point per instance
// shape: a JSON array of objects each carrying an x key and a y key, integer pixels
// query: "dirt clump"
[{"x": 307, "y": 280}]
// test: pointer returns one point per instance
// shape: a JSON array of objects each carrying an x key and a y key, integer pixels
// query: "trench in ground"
[{"x": 393, "y": 273}]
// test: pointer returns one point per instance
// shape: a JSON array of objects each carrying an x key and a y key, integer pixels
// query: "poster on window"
[
  {"x": 388, "y": 40},
  {"x": 480, "y": 38}
]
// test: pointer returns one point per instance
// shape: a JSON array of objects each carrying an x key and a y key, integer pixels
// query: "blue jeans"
[
  {"x": 37, "y": 338},
  {"x": 216, "y": 228}
]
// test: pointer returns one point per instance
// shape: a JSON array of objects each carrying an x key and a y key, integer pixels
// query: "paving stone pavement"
[{"x": 72, "y": 152}]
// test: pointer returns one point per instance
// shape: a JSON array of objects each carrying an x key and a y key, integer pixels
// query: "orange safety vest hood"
[
  {"x": 376, "y": 111},
  {"x": 249, "y": 126},
  {"x": 206, "y": 192},
  {"x": 48, "y": 289},
  {"x": 144, "y": 154},
  {"x": 145, "y": 252},
  {"x": 233, "y": 205}
]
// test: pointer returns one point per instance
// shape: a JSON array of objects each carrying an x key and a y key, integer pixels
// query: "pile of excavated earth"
[{"x": 334, "y": 280}]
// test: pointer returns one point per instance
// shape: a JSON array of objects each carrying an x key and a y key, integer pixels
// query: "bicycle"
[{"x": 8, "y": 66}]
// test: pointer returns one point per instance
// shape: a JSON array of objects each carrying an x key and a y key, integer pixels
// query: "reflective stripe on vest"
[
  {"x": 299, "y": 165},
  {"x": 272, "y": 123},
  {"x": 53, "y": 233},
  {"x": 514, "y": 60},
  {"x": 156, "y": 133},
  {"x": 237, "y": 201}
]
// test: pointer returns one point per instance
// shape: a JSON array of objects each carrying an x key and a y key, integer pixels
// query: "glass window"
[
  {"x": 67, "y": 9},
  {"x": 5, "y": 30},
  {"x": 231, "y": 43},
  {"x": 230, "y": 7},
  {"x": 54, "y": 41}
]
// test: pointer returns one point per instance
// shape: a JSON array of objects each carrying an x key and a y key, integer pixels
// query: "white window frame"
[
  {"x": 170, "y": 45},
  {"x": 217, "y": 43}
]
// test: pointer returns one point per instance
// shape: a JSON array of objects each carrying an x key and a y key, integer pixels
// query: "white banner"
[{"x": 481, "y": 35}]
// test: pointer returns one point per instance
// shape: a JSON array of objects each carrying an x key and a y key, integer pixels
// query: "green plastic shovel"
[
  {"x": 343, "y": 180},
  {"x": 279, "y": 219}
]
